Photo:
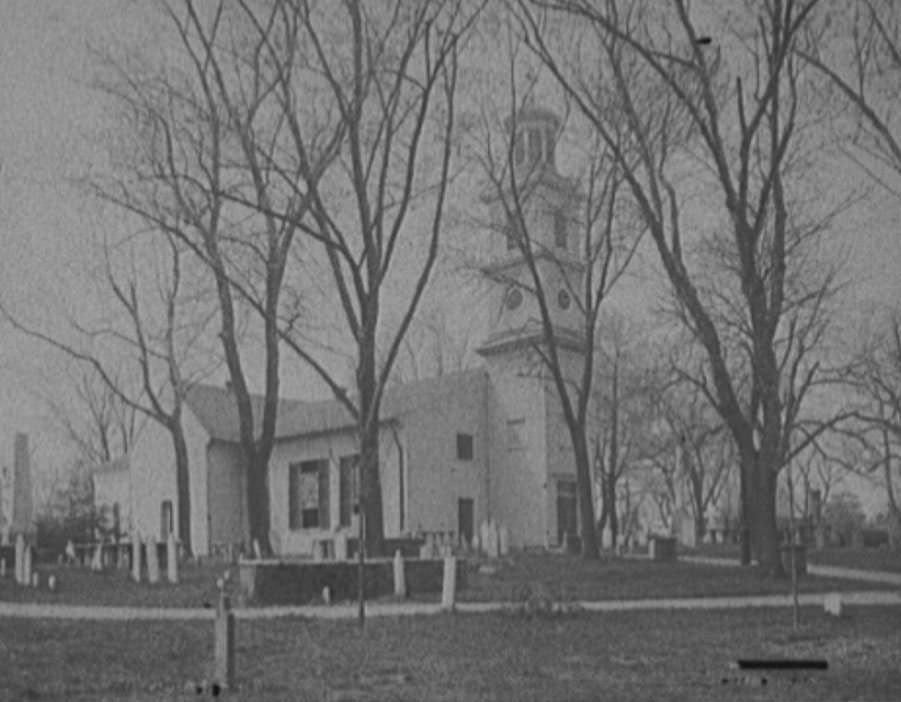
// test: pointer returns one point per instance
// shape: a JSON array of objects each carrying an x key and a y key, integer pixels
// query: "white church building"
[{"x": 455, "y": 450}]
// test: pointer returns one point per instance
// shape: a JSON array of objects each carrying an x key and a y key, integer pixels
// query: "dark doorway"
[
  {"x": 567, "y": 514},
  {"x": 465, "y": 518}
]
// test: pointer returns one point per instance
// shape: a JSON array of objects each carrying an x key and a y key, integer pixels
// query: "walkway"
[
  {"x": 870, "y": 576},
  {"x": 394, "y": 609}
]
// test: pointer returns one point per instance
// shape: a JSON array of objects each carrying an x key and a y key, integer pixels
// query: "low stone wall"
[{"x": 277, "y": 582}]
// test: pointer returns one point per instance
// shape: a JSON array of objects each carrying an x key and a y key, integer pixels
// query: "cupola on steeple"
[{"x": 536, "y": 132}]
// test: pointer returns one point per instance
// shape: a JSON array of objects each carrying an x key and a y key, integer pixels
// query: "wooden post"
[
  {"x": 135, "y": 557},
  {"x": 449, "y": 587},
  {"x": 171, "y": 559},
  {"x": 400, "y": 580},
  {"x": 224, "y": 641},
  {"x": 153, "y": 561},
  {"x": 20, "y": 558}
]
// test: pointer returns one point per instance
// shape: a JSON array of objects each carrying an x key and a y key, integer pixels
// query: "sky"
[{"x": 49, "y": 121}]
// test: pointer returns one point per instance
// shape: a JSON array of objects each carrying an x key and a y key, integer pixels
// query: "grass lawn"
[
  {"x": 628, "y": 655},
  {"x": 82, "y": 586},
  {"x": 569, "y": 578},
  {"x": 863, "y": 558},
  {"x": 559, "y": 577}
]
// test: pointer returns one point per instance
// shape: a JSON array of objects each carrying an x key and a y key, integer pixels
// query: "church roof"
[
  {"x": 114, "y": 466},
  {"x": 216, "y": 410}
]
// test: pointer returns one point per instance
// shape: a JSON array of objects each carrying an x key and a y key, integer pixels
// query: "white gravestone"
[
  {"x": 340, "y": 546},
  {"x": 71, "y": 556},
  {"x": 20, "y": 558},
  {"x": 136, "y": 557},
  {"x": 449, "y": 586},
  {"x": 35, "y": 580},
  {"x": 833, "y": 604},
  {"x": 606, "y": 537},
  {"x": 97, "y": 560},
  {"x": 400, "y": 578},
  {"x": 26, "y": 566},
  {"x": 153, "y": 561},
  {"x": 503, "y": 540},
  {"x": 51, "y": 583},
  {"x": 476, "y": 544},
  {"x": 171, "y": 559}
]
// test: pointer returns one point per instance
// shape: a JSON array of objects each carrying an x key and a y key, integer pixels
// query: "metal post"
[{"x": 224, "y": 641}]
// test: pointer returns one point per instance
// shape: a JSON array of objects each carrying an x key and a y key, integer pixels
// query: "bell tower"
[
  {"x": 547, "y": 213},
  {"x": 532, "y": 464}
]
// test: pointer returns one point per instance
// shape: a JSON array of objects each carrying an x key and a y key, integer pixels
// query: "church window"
[
  {"x": 534, "y": 146},
  {"x": 308, "y": 495},
  {"x": 512, "y": 232},
  {"x": 514, "y": 298},
  {"x": 559, "y": 229},
  {"x": 464, "y": 447},
  {"x": 549, "y": 146},
  {"x": 515, "y": 432},
  {"x": 519, "y": 149},
  {"x": 347, "y": 488}
]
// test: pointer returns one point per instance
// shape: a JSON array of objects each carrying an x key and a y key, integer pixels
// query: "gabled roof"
[
  {"x": 114, "y": 466},
  {"x": 216, "y": 410}
]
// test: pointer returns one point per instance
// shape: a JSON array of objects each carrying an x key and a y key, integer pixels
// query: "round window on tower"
[
  {"x": 563, "y": 299},
  {"x": 514, "y": 298}
]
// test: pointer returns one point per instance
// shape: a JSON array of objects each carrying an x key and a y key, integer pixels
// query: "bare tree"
[
  {"x": 569, "y": 251},
  {"x": 736, "y": 119},
  {"x": 203, "y": 126},
  {"x": 157, "y": 332}
]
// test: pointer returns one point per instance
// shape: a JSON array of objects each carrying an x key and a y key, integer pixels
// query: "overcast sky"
[{"x": 48, "y": 118}]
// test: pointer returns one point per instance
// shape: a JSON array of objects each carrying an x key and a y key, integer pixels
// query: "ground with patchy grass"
[
  {"x": 863, "y": 558},
  {"x": 568, "y": 578},
  {"x": 559, "y": 577},
  {"x": 622, "y": 655}
]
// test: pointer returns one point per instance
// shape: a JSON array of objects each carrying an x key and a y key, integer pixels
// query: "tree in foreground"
[{"x": 729, "y": 123}]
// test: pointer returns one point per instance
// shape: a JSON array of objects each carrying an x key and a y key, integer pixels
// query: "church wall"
[
  {"x": 331, "y": 447},
  {"x": 519, "y": 486},
  {"x": 436, "y": 479},
  {"x": 225, "y": 492},
  {"x": 152, "y": 467}
]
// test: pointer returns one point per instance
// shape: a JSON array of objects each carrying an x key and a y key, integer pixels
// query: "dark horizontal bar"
[{"x": 783, "y": 664}]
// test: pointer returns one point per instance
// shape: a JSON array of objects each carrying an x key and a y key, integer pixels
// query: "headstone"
[
  {"x": 153, "y": 561},
  {"x": 257, "y": 552},
  {"x": 449, "y": 586},
  {"x": 503, "y": 540},
  {"x": 26, "y": 566},
  {"x": 20, "y": 559},
  {"x": 326, "y": 595},
  {"x": 476, "y": 544},
  {"x": 400, "y": 580},
  {"x": 35, "y": 579},
  {"x": 97, "y": 560},
  {"x": 606, "y": 537},
  {"x": 51, "y": 583},
  {"x": 425, "y": 549},
  {"x": 832, "y": 604},
  {"x": 171, "y": 558},
  {"x": 340, "y": 546},
  {"x": 490, "y": 540},
  {"x": 819, "y": 535},
  {"x": 71, "y": 556},
  {"x": 136, "y": 557}
]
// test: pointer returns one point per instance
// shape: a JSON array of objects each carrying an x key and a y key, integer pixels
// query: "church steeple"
[{"x": 548, "y": 205}]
